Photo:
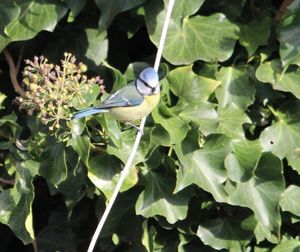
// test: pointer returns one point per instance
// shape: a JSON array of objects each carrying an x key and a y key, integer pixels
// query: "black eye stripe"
[{"x": 146, "y": 84}]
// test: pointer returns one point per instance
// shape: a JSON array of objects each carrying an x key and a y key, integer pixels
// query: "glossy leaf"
[
  {"x": 289, "y": 200},
  {"x": 225, "y": 233},
  {"x": 16, "y": 203},
  {"x": 109, "y": 9},
  {"x": 262, "y": 194},
  {"x": 98, "y": 45},
  {"x": 205, "y": 167},
  {"x": 272, "y": 72},
  {"x": 207, "y": 38},
  {"x": 190, "y": 87},
  {"x": 174, "y": 125},
  {"x": 255, "y": 34},
  {"x": 54, "y": 167},
  {"x": 240, "y": 164},
  {"x": 104, "y": 172},
  {"x": 28, "y": 24},
  {"x": 282, "y": 138},
  {"x": 235, "y": 88},
  {"x": 158, "y": 198},
  {"x": 289, "y": 41},
  {"x": 203, "y": 114},
  {"x": 231, "y": 119},
  {"x": 8, "y": 12},
  {"x": 292, "y": 245}
]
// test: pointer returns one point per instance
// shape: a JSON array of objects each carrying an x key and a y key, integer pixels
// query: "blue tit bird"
[{"x": 132, "y": 102}]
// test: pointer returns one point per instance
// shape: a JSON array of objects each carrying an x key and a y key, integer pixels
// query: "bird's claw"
[{"x": 136, "y": 127}]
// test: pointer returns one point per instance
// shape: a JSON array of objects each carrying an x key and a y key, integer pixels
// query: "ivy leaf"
[
  {"x": 104, "y": 172},
  {"x": 97, "y": 45},
  {"x": 282, "y": 138},
  {"x": 10, "y": 131},
  {"x": 16, "y": 203},
  {"x": 9, "y": 11},
  {"x": 289, "y": 200},
  {"x": 289, "y": 41},
  {"x": 109, "y": 9},
  {"x": 287, "y": 245},
  {"x": 190, "y": 87},
  {"x": 123, "y": 213},
  {"x": 54, "y": 167},
  {"x": 174, "y": 125},
  {"x": 205, "y": 167},
  {"x": 210, "y": 38},
  {"x": 235, "y": 88},
  {"x": 35, "y": 16},
  {"x": 241, "y": 163},
  {"x": 158, "y": 198},
  {"x": 262, "y": 194},
  {"x": 82, "y": 145},
  {"x": 231, "y": 119},
  {"x": 123, "y": 152},
  {"x": 225, "y": 233},
  {"x": 255, "y": 34},
  {"x": 272, "y": 72},
  {"x": 203, "y": 114}
]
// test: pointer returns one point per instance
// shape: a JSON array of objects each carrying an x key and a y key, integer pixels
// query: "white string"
[{"x": 137, "y": 139}]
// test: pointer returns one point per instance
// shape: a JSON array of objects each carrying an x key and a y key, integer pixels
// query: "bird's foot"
[{"x": 136, "y": 127}]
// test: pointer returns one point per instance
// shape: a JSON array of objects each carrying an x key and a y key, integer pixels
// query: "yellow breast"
[{"x": 129, "y": 114}]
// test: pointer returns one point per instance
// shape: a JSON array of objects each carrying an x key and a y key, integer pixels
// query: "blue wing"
[{"x": 127, "y": 96}]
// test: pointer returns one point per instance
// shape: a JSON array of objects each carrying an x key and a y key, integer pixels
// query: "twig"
[
  {"x": 282, "y": 10},
  {"x": 137, "y": 139},
  {"x": 7, "y": 181},
  {"x": 13, "y": 72}
]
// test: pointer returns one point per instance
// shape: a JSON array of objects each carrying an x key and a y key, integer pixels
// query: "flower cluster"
[{"x": 50, "y": 89}]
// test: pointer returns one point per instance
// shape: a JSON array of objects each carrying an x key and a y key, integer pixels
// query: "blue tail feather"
[{"x": 87, "y": 112}]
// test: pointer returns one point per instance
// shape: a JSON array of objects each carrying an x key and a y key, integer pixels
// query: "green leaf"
[
  {"x": 123, "y": 152},
  {"x": 203, "y": 114},
  {"x": 82, "y": 145},
  {"x": 87, "y": 98},
  {"x": 241, "y": 163},
  {"x": 35, "y": 16},
  {"x": 9, "y": 11},
  {"x": 53, "y": 166},
  {"x": 272, "y": 72},
  {"x": 109, "y": 9},
  {"x": 282, "y": 138},
  {"x": 158, "y": 198},
  {"x": 225, "y": 233},
  {"x": 287, "y": 245},
  {"x": 97, "y": 45},
  {"x": 9, "y": 132},
  {"x": 235, "y": 88},
  {"x": 289, "y": 41},
  {"x": 231, "y": 119},
  {"x": 15, "y": 203},
  {"x": 104, "y": 172},
  {"x": 123, "y": 213},
  {"x": 255, "y": 34},
  {"x": 208, "y": 38},
  {"x": 205, "y": 167},
  {"x": 289, "y": 200},
  {"x": 262, "y": 194},
  {"x": 174, "y": 125},
  {"x": 189, "y": 86}
]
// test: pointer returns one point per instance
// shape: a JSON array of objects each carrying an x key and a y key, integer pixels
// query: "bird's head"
[{"x": 147, "y": 82}]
